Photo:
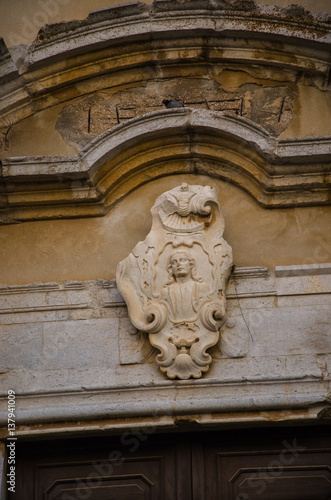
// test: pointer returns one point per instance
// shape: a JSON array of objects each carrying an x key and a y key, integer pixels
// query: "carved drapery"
[{"x": 174, "y": 281}]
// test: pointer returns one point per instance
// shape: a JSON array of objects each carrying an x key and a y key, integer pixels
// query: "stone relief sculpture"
[{"x": 174, "y": 281}]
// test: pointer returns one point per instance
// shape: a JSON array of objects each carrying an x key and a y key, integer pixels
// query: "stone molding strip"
[
  {"x": 295, "y": 42},
  {"x": 161, "y": 400},
  {"x": 275, "y": 173},
  {"x": 38, "y": 297},
  {"x": 245, "y": 282},
  {"x": 303, "y": 270}
]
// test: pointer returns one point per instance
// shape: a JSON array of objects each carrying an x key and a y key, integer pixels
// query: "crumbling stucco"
[{"x": 82, "y": 120}]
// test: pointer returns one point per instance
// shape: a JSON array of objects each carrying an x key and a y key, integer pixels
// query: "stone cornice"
[
  {"x": 276, "y": 173},
  {"x": 171, "y": 420},
  {"x": 113, "y": 41},
  {"x": 186, "y": 398}
]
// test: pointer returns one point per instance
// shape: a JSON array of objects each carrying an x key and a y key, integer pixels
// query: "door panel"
[
  {"x": 300, "y": 484},
  {"x": 102, "y": 469},
  {"x": 269, "y": 465},
  {"x": 279, "y": 482},
  {"x": 133, "y": 479},
  {"x": 111, "y": 489}
]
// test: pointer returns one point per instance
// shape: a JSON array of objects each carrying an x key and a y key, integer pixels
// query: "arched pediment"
[{"x": 163, "y": 143}]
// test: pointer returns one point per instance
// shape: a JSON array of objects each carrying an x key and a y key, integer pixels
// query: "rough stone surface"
[
  {"x": 134, "y": 345},
  {"x": 80, "y": 344},
  {"x": 21, "y": 347},
  {"x": 281, "y": 331}
]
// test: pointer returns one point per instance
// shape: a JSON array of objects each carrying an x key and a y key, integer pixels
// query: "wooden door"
[
  {"x": 267, "y": 464},
  {"x": 250, "y": 464},
  {"x": 134, "y": 466}
]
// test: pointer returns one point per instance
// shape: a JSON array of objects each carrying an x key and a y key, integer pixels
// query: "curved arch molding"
[
  {"x": 276, "y": 173},
  {"x": 135, "y": 42}
]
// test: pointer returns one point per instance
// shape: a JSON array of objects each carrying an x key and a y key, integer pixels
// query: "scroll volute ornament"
[{"x": 174, "y": 281}]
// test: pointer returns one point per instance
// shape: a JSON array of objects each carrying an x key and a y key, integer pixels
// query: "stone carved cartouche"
[{"x": 174, "y": 281}]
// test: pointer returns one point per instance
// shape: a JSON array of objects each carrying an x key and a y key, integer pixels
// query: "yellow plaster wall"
[
  {"x": 36, "y": 135},
  {"x": 312, "y": 111},
  {"x": 85, "y": 249}
]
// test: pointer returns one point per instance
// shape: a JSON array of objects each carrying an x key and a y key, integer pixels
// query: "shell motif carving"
[{"x": 174, "y": 281}]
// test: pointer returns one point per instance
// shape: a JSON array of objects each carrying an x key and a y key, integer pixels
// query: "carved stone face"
[{"x": 180, "y": 264}]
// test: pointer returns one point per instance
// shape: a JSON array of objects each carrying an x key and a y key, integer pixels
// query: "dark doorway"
[{"x": 251, "y": 464}]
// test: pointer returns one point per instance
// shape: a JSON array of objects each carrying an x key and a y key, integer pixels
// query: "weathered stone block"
[
  {"x": 35, "y": 317},
  {"x": 266, "y": 369},
  {"x": 134, "y": 345},
  {"x": 290, "y": 331},
  {"x": 77, "y": 344},
  {"x": 20, "y": 347},
  {"x": 234, "y": 337},
  {"x": 298, "y": 285},
  {"x": 42, "y": 297}
]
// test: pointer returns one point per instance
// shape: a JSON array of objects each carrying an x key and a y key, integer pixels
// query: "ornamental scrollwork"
[{"x": 174, "y": 281}]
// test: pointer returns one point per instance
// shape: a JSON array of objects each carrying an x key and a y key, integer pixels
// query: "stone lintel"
[{"x": 165, "y": 422}]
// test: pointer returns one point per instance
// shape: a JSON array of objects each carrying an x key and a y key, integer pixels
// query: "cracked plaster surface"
[{"x": 85, "y": 118}]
